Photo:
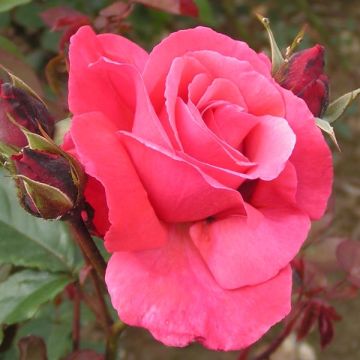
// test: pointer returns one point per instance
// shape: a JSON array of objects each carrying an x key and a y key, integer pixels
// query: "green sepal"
[
  {"x": 326, "y": 127},
  {"x": 61, "y": 128},
  {"x": 8, "y": 150},
  {"x": 50, "y": 202},
  {"x": 338, "y": 106},
  {"x": 45, "y": 143},
  {"x": 296, "y": 42},
  {"x": 277, "y": 59}
]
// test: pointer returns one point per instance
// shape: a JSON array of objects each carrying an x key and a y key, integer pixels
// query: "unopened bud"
[
  {"x": 45, "y": 183},
  {"x": 18, "y": 108},
  {"x": 304, "y": 75}
]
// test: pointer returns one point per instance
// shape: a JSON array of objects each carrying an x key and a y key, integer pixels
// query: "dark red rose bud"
[
  {"x": 45, "y": 183},
  {"x": 304, "y": 75},
  {"x": 25, "y": 110}
]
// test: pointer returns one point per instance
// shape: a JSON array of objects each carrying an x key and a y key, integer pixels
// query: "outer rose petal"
[
  {"x": 184, "y": 41},
  {"x": 134, "y": 224},
  {"x": 128, "y": 83},
  {"x": 179, "y": 192},
  {"x": 248, "y": 251},
  {"x": 171, "y": 293},
  {"x": 95, "y": 195},
  {"x": 93, "y": 91},
  {"x": 311, "y": 158}
]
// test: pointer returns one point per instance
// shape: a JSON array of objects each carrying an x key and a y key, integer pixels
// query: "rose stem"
[
  {"x": 112, "y": 340},
  {"x": 86, "y": 243},
  {"x": 102, "y": 304},
  {"x": 76, "y": 320},
  {"x": 98, "y": 284}
]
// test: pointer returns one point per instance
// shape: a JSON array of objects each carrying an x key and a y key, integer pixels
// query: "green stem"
[{"x": 112, "y": 340}]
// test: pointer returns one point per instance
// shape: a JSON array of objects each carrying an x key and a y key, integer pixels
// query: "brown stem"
[
  {"x": 86, "y": 243},
  {"x": 76, "y": 320},
  {"x": 106, "y": 317}
]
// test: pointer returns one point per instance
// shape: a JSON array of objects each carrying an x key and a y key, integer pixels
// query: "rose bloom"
[{"x": 204, "y": 175}]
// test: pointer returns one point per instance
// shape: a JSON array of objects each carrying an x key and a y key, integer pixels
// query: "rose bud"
[
  {"x": 45, "y": 182},
  {"x": 26, "y": 111},
  {"x": 303, "y": 74}
]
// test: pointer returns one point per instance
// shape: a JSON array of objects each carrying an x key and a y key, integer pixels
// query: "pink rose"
[{"x": 208, "y": 173}]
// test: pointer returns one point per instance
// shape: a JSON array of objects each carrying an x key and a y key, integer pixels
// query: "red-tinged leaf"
[
  {"x": 347, "y": 292},
  {"x": 117, "y": 9},
  {"x": 32, "y": 348},
  {"x": 310, "y": 315},
  {"x": 326, "y": 330},
  {"x": 60, "y": 17},
  {"x": 70, "y": 291},
  {"x": 70, "y": 31},
  {"x": 348, "y": 255},
  {"x": 182, "y": 7},
  {"x": 85, "y": 355},
  {"x": 331, "y": 313}
]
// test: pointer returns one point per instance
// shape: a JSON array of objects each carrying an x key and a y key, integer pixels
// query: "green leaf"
[
  {"x": 24, "y": 292},
  {"x": 6, "y": 5},
  {"x": 277, "y": 59},
  {"x": 10, "y": 47},
  {"x": 338, "y": 107},
  {"x": 54, "y": 325},
  {"x": 326, "y": 127},
  {"x": 29, "y": 241}
]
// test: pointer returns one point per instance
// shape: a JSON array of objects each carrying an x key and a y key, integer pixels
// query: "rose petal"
[
  {"x": 201, "y": 143},
  {"x": 95, "y": 195},
  {"x": 247, "y": 251},
  {"x": 128, "y": 83},
  {"x": 221, "y": 89},
  {"x": 171, "y": 292},
  {"x": 192, "y": 194},
  {"x": 182, "y": 71},
  {"x": 184, "y": 41},
  {"x": 260, "y": 94},
  {"x": 119, "y": 49},
  {"x": 93, "y": 91},
  {"x": 269, "y": 144},
  {"x": 198, "y": 86},
  {"x": 311, "y": 158},
  {"x": 231, "y": 123},
  {"x": 134, "y": 225}
]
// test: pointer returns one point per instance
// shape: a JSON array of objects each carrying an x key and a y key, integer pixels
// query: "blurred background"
[{"x": 33, "y": 44}]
